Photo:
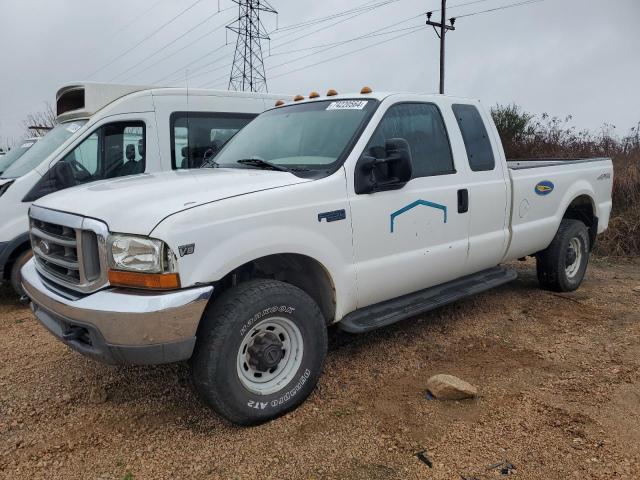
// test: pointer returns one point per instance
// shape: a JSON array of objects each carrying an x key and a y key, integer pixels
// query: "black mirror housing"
[{"x": 389, "y": 173}]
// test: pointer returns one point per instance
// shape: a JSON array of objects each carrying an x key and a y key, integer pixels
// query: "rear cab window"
[
  {"x": 476, "y": 139},
  {"x": 197, "y": 137}
]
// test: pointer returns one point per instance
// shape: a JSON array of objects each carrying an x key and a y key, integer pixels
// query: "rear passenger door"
[
  {"x": 487, "y": 189},
  {"x": 412, "y": 238}
]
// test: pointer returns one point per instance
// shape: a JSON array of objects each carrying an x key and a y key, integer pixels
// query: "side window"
[
  {"x": 476, "y": 140},
  {"x": 197, "y": 137},
  {"x": 113, "y": 150},
  {"x": 422, "y": 126}
]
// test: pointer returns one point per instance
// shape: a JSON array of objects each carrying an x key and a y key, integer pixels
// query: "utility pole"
[
  {"x": 247, "y": 71},
  {"x": 443, "y": 30}
]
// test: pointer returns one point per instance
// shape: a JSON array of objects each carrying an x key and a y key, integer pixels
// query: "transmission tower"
[{"x": 247, "y": 71}]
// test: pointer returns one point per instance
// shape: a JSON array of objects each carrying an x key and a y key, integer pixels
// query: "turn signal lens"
[
  {"x": 314, "y": 95},
  {"x": 297, "y": 98},
  {"x": 332, "y": 93},
  {"x": 366, "y": 90},
  {"x": 150, "y": 281},
  {"x": 279, "y": 103}
]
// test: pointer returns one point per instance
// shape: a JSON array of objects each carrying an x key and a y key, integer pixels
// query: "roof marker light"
[
  {"x": 279, "y": 103},
  {"x": 331, "y": 93},
  {"x": 366, "y": 90},
  {"x": 314, "y": 95},
  {"x": 297, "y": 98}
]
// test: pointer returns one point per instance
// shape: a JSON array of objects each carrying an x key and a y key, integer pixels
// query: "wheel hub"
[
  {"x": 266, "y": 352},
  {"x": 571, "y": 256}
]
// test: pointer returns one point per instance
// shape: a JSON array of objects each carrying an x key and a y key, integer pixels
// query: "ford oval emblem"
[
  {"x": 544, "y": 187},
  {"x": 44, "y": 247}
]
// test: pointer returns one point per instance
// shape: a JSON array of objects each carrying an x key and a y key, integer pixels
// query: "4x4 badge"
[{"x": 187, "y": 249}]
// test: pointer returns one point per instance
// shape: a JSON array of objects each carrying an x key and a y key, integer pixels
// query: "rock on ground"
[{"x": 448, "y": 387}]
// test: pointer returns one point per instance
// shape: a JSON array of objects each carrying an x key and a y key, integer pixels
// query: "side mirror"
[{"x": 389, "y": 173}]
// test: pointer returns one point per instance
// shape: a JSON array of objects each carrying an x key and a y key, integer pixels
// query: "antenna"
[{"x": 247, "y": 71}]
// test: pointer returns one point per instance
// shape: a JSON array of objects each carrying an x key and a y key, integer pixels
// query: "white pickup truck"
[{"x": 359, "y": 210}]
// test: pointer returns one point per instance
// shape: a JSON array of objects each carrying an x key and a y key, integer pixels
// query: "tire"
[
  {"x": 558, "y": 268},
  {"x": 233, "y": 362},
  {"x": 15, "y": 277}
]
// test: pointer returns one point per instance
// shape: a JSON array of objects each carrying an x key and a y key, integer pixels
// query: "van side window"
[
  {"x": 422, "y": 126},
  {"x": 476, "y": 140},
  {"x": 113, "y": 150},
  {"x": 197, "y": 137}
]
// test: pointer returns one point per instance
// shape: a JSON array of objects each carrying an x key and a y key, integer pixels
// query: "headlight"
[{"x": 140, "y": 262}]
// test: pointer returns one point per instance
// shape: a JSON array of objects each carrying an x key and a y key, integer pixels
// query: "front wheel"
[
  {"x": 260, "y": 351},
  {"x": 562, "y": 265}
]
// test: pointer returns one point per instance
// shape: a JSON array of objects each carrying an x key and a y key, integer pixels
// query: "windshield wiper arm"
[{"x": 260, "y": 163}]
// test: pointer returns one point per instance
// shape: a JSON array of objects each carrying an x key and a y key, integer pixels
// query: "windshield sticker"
[
  {"x": 347, "y": 105},
  {"x": 26, "y": 145},
  {"x": 73, "y": 128}
]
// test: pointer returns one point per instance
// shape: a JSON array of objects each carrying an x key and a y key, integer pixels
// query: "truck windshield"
[
  {"x": 42, "y": 149},
  {"x": 308, "y": 137},
  {"x": 10, "y": 158}
]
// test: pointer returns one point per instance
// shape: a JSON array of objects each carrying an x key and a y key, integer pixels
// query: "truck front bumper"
[{"x": 120, "y": 326}]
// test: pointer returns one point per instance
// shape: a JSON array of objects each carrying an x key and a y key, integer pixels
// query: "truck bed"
[
  {"x": 536, "y": 214},
  {"x": 522, "y": 163}
]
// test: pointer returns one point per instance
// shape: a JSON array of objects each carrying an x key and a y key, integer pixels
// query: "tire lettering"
[{"x": 265, "y": 312}]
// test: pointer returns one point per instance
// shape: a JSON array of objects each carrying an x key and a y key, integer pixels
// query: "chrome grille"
[{"x": 69, "y": 250}]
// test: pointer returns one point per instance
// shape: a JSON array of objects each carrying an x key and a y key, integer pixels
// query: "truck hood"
[{"x": 137, "y": 204}]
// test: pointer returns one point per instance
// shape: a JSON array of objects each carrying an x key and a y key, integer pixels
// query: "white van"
[
  {"x": 107, "y": 131},
  {"x": 9, "y": 158}
]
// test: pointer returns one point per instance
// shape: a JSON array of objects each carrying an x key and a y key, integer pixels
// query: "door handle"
[{"x": 463, "y": 200}]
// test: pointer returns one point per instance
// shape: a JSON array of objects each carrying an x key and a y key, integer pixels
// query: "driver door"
[{"x": 411, "y": 238}]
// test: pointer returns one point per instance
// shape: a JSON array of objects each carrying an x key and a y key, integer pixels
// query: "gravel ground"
[{"x": 559, "y": 377}]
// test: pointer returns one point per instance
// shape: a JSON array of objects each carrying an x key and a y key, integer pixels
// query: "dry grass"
[{"x": 528, "y": 136}]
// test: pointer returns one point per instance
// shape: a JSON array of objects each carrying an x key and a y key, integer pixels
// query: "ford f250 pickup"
[{"x": 360, "y": 210}]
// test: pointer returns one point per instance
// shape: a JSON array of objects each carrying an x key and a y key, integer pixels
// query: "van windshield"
[
  {"x": 42, "y": 149},
  {"x": 10, "y": 158},
  {"x": 308, "y": 137}
]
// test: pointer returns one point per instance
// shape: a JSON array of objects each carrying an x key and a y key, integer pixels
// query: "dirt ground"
[{"x": 559, "y": 376}]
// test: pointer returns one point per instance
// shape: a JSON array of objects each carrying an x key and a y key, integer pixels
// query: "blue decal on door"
[
  {"x": 418, "y": 203},
  {"x": 544, "y": 187}
]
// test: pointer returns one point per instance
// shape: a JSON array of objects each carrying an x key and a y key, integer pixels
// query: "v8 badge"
[{"x": 187, "y": 249}]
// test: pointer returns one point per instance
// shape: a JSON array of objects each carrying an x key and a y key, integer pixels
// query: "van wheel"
[
  {"x": 260, "y": 351},
  {"x": 16, "y": 277},
  {"x": 562, "y": 265}
]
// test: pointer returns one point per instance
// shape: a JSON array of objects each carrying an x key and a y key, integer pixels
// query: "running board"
[{"x": 392, "y": 311}]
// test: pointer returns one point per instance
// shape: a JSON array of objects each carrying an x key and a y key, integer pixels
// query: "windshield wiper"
[{"x": 260, "y": 163}]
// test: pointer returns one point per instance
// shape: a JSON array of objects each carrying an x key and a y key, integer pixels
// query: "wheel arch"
[
  {"x": 299, "y": 270},
  {"x": 583, "y": 208}
]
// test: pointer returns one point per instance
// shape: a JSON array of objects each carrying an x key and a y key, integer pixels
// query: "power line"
[
  {"x": 111, "y": 62},
  {"x": 318, "y": 20},
  {"x": 364, "y": 7},
  {"x": 370, "y": 34},
  {"x": 164, "y": 47},
  {"x": 388, "y": 40},
  {"x": 181, "y": 49},
  {"x": 416, "y": 29},
  {"x": 527, "y": 2}
]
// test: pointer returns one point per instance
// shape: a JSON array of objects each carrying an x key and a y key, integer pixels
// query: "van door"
[
  {"x": 118, "y": 146},
  {"x": 487, "y": 187},
  {"x": 412, "y": 238}
]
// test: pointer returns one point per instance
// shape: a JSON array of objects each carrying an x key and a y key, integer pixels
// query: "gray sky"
[{"x": 578, "y": 57}]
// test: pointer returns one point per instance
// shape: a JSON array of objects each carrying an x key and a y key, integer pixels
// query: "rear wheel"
[
  {"x": 16, "y": 277},
  {"x": 260, "y": 351},
  {"x": 562, "y": 265}
]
